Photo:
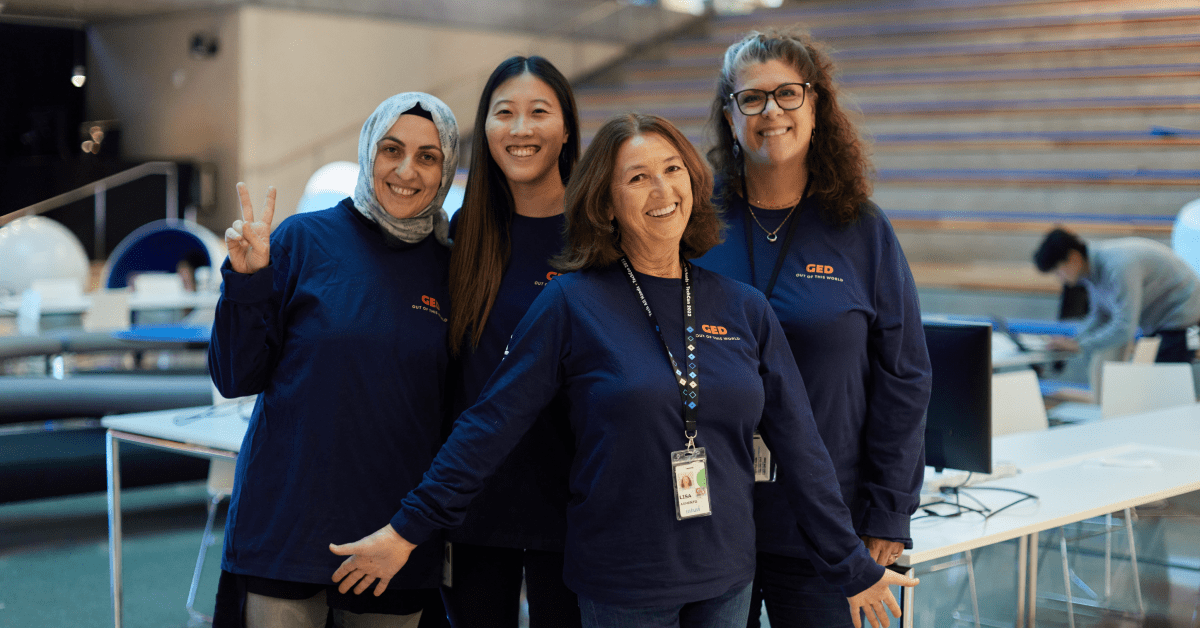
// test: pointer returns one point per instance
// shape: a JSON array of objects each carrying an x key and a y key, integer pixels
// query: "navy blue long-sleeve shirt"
[
  {"x": 524, "y": 504},
  {"x": 345, "y": 339},
  {"x": 587, "y": 337},
  {"x": 847, "y": 303}
]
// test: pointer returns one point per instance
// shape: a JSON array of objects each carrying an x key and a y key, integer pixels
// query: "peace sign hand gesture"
[{"x": 248, "y": 240}]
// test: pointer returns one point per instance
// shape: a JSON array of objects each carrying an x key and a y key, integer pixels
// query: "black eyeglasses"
[{"x": 788, "y": 96}]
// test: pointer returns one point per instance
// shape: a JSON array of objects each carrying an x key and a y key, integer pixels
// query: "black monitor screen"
[{"x": 958, "y": 425}]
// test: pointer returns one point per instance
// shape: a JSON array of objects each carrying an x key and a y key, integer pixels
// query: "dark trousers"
[
  {"x": 796, "y": 596},
  {"x": 486, "y": 588},
  {"x": 1174, "y": 347}
]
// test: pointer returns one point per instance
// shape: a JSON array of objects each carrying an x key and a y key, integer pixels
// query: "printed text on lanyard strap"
[{"x": 689, "y": 388}]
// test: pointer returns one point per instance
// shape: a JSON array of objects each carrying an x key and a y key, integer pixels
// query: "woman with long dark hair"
[
  {"x": 526, "y": 143},
  {"x": 792, "y": 180}
]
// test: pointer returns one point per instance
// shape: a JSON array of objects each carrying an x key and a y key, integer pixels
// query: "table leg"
[
  {"x": 974, "y": 592},
  {"x": 1067, "y": 578},
  {"x": 1108, "y": 558},
  {"x": 1137, "y": 579},
  {"x": 1022, "y": 568},
  {"x": 908, "y": 606},
  {"x": 907, "y": 598},
  {"x": 1033, "y": 569},
  {"x": 113, "y": 460}
]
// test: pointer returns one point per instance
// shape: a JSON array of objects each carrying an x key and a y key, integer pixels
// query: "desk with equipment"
[{"x": 1049, "y": 478}]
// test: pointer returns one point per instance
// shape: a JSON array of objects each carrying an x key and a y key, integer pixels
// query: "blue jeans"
[
  {"x": 724, "y": 611},
  {"x": 796, "y": 596}
]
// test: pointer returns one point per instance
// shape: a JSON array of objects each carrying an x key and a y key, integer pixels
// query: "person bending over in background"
[{"x": 1131, "y": 283}]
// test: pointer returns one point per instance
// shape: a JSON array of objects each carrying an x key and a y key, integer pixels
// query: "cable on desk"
[
  {"x": 961, "y": 509},
  {"x": 1024, "y": 496}
]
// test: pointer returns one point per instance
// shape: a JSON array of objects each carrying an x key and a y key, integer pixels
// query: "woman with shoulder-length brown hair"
[
  {"x": 594, "y": 236},
  {"x": 793, "y": 184},
  {"x": 668, "y": 370}
]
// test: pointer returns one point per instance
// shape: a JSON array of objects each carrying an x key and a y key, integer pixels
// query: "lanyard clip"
[{"x": 691, "y": 440}]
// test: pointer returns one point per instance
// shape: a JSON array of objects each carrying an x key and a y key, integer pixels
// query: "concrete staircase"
[{"x": 991, "y": 120}]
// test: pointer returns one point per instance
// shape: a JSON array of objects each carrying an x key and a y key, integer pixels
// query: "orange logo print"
[
  {"x": 431, "y": 302},
  {"x": 818, "y": 268},
  {"x": 551, "y": 275},
  {"x": 714, "y": 329}
]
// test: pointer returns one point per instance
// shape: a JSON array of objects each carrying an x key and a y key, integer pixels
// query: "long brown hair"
[
  {"x": 593, "y": 240},
  {"x": 838, "y": 167},
  {"x": 481, "y": 244}
]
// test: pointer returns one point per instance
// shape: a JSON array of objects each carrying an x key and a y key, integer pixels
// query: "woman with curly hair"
[{"x": 793, "y": 183}]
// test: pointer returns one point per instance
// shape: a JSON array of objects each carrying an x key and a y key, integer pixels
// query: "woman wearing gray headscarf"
[{"x": 337, "y": 320}]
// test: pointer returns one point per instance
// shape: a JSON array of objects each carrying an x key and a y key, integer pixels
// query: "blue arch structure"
[{"x": 155, "y": 247}]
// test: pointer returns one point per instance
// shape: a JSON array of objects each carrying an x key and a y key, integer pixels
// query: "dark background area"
[{"x": 43, "y": 124}]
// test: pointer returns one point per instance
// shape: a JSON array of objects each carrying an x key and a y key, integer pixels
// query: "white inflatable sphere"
[
  {"x": 36, "y": 247},
  {"x": 337, "y": 176},
  {"x": 1185, "y": 236},
  {"x": 328, "y": 186}
]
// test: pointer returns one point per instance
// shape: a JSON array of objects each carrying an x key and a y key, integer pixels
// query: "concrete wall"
[
  {"x": 288, "y": 90},
  {"x": 309, "y": 80},
  {"x": 170, "y": 104}
]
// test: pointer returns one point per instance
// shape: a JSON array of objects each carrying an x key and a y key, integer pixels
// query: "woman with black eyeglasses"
[{"x": 792, "y": 181}]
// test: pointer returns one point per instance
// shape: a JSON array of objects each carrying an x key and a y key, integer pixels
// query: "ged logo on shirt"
[
  {"x": 716, "y": 332},
  {"x": 431, "y": 305},
  {"x": 818, "y": 271}
]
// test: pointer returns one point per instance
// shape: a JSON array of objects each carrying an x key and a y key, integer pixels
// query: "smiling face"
[
  {"x": 651, "y": 194},
  {"x": 525, "y": 129},
  {"x": 408, "y": 166},
  {"x": 774, "y": 137}
]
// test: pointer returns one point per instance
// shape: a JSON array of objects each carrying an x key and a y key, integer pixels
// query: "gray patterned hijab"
[{"x": 432, "y": 218}]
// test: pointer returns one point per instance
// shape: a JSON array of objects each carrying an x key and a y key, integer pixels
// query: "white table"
[
  {"x": 207, "y": 432},
  {"x": 137, "y": 301},
  {"x": 1077, "y": 472}
]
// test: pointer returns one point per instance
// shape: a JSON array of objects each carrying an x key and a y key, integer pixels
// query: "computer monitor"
[{"x": 958, "y": 424}]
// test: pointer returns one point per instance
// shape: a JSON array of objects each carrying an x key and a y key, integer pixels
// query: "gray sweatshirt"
[{"x": 1135, "y": 282}]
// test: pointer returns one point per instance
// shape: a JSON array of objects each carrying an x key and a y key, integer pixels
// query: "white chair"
[
  {"x": 220, "y": 486},
  {"x": 1129, "y": 388},
  {"x": 1017, "y": 404}
]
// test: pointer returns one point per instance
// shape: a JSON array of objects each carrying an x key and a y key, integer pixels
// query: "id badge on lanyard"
[
  {"x": 689, "y": 466},
  {"x": 689, "y": 472}
]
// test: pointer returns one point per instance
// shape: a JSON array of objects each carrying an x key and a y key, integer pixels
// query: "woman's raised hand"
[{"x": 249, "y": 240}]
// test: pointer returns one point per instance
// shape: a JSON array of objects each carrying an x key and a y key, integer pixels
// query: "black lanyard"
[
  {"x": 787, "y": 239},
  {"x": 689, "y": 389}
]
